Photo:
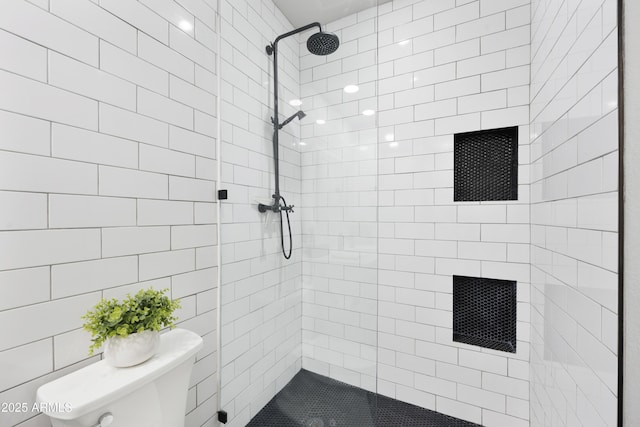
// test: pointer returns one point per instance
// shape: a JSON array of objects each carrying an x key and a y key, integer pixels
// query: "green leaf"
[{"x": 147, "y": 310}]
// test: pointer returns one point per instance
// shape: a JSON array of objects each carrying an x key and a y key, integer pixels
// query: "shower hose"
[{"x": 287, "y": 256}]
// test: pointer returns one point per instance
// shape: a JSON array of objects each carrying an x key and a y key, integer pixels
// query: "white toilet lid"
[{"x": 91, "y": 387}]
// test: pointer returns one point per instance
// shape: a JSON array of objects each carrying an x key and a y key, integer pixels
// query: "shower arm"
[
  {"x": 272, "y": 49},
  {"x": 292, "y": 32}
]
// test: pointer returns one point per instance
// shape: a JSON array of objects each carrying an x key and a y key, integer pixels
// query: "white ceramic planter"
[{"x": 131, "y": 350}]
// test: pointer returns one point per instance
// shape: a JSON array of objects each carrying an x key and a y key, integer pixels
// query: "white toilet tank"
[{"x": 152, "y": 394}]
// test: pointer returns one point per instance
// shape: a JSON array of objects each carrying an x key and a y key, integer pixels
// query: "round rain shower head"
[{"x": 322, "y": 43}]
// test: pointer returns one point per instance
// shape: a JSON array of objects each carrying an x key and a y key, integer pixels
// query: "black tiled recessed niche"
[
  {"x": 484, "y": 312},
  {"x": 486, "y": 165}
]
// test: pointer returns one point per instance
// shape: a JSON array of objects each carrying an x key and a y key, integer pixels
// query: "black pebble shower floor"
[{"x": 312, "y": 400}]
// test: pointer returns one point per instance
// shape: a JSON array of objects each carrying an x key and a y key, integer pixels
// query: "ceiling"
[{"x": 302, "y": 12}]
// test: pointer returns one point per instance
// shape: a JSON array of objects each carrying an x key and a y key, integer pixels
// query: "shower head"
[
  {"x": 300, "y": 115},
  {"x": 322, "y": 43}
]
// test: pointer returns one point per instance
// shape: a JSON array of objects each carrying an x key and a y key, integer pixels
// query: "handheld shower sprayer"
[{"x": 300, "y": 115}]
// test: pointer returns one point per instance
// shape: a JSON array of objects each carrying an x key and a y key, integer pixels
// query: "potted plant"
[{"x": 130, "y": 329}]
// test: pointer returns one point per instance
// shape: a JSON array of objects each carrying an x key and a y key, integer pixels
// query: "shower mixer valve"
[{"x": 276, "y": 207}]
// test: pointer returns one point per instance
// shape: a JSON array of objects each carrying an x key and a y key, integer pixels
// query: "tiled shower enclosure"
[{"x": 455, "y": 183}]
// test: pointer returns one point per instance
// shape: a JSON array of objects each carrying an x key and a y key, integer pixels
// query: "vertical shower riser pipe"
[{"x": 276, "y": 125}]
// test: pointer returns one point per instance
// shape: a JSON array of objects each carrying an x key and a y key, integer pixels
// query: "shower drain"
[{"x": 315, "y": 422}]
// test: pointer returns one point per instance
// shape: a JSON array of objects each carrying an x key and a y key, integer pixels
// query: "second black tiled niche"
[{"x": 484, "y": 312}]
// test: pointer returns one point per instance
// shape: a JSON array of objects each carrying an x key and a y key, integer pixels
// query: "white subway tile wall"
[
  {"x": 443, "y": 69},
  {"x": 574, "y": 213},
  {"x": 261, "y": 290},
  {"x": 105, "y": 184}
]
